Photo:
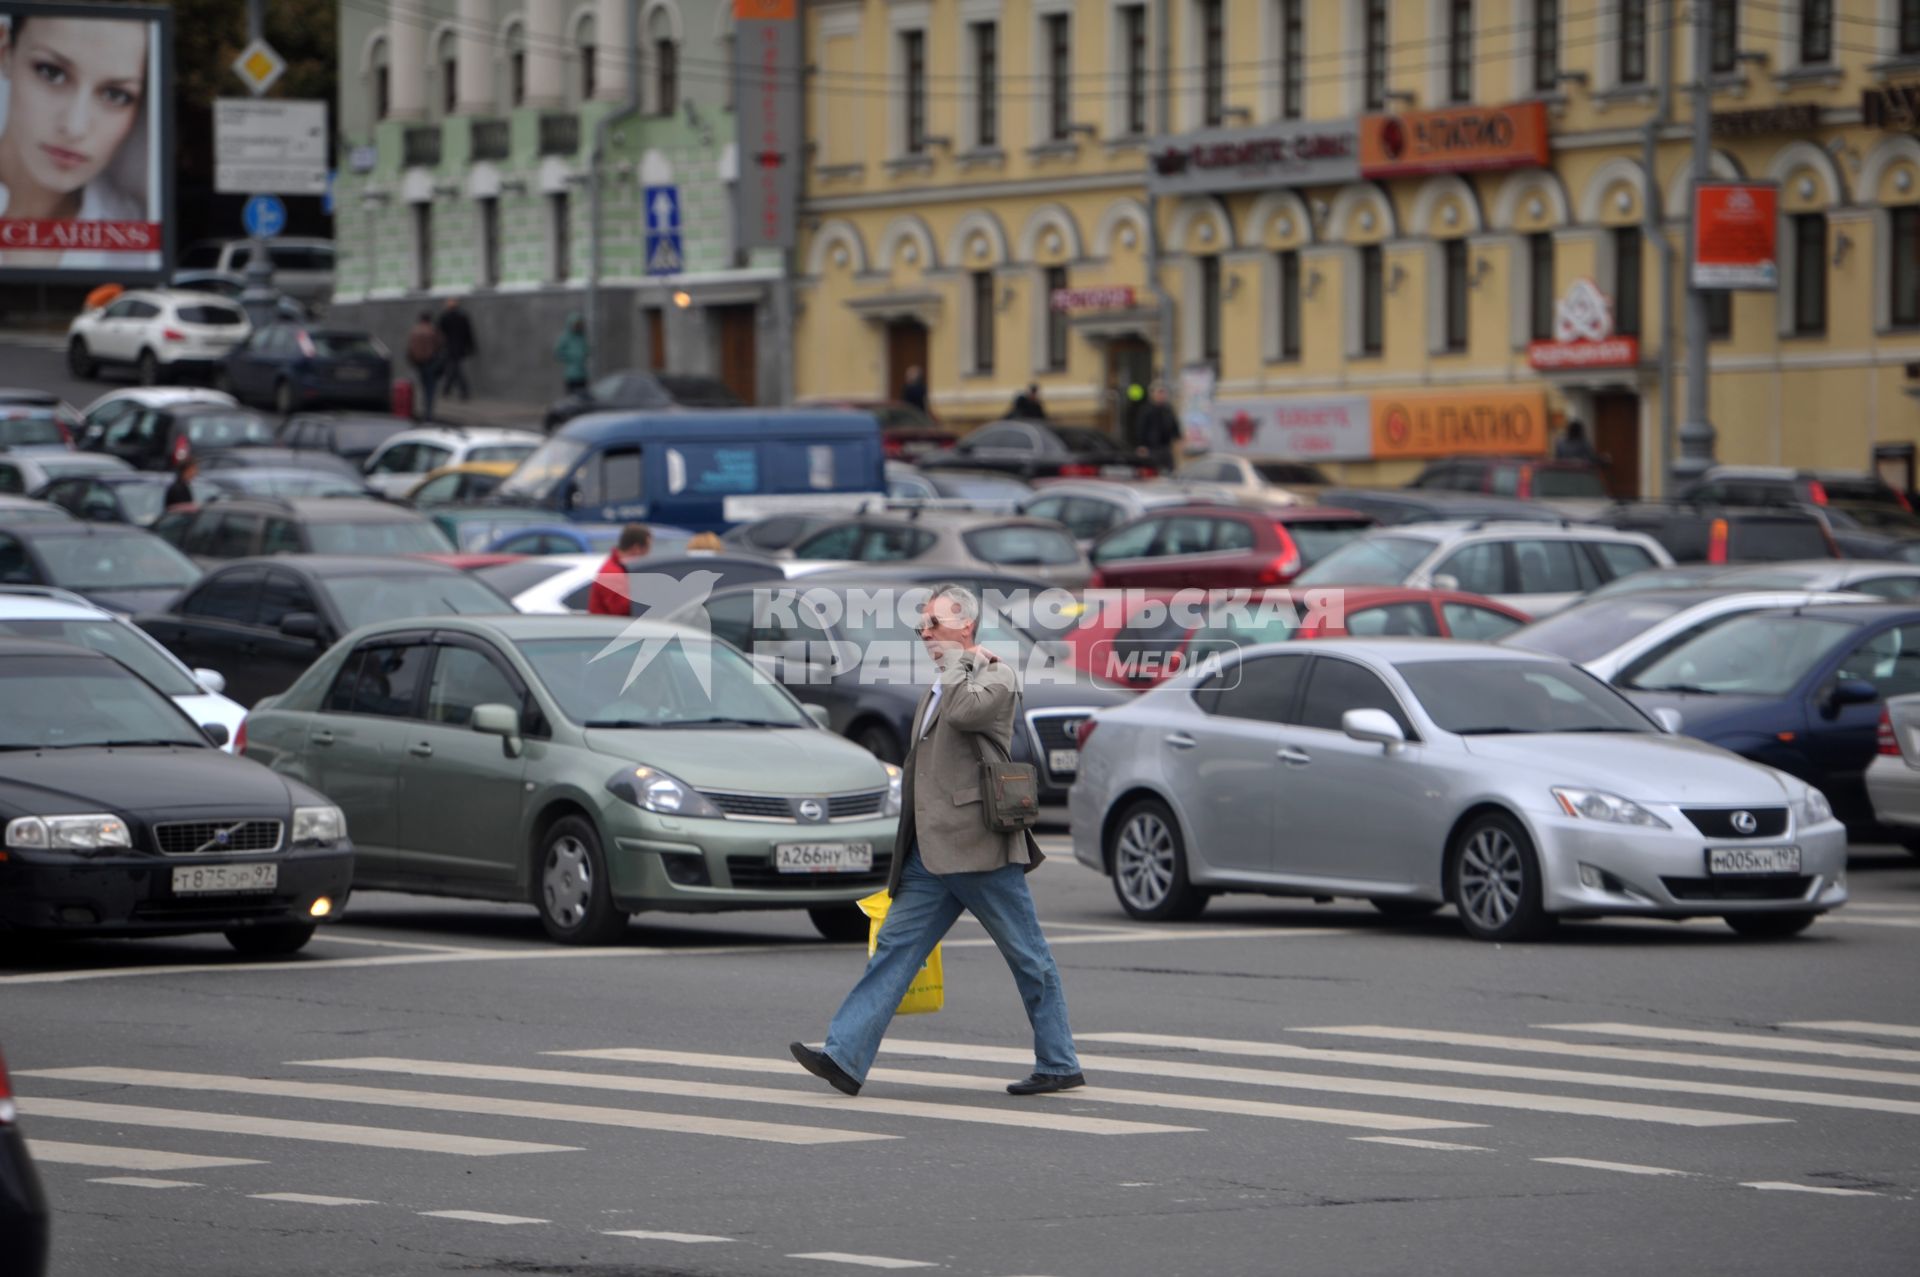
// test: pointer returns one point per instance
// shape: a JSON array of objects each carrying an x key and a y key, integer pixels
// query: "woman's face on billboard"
[{"x": 74, "y": 91}]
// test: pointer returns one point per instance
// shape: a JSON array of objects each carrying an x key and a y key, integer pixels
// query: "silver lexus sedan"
[{"x": 1418, "y": 772}]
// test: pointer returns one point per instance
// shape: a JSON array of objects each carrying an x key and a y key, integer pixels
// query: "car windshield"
[
  {"x": 381, "y": 537},
  {"x": 544, "y": 467},
  {"x": 1084, "y": 440},
  {"x": 1766, "y": 654},
  {"x": 1881, "y": 518},
  {"x": 31, "y": 428},
  {"x": 501, "y": 452},
  {"x": 363, "y": 600},
  {"x": 1020, "y": 545},
  {"x": 973, "y": 487},
  {"x": 1594, "y": 628},
  {"x": 286, "y": 483},
  {"x": 1317, "y": 538},
  {"x": 217, "y": 316},
  {"x": 345, "y": 345},
  {"x": 1497, "y": 697},
  {"x": 1375, "y": 560},
  {"x": 510, "y": 579},
  {"x": 683, "y": 680},
  {"x": 110, "y": 561},
  {"x": 228, "y": 430},
  {"x": 1549, "y": 482},
  {"x": 59, "y": 465},
  {"x": 68, "y": 702},
  {"x": 125, "y": 644},
  {"x": 1288, "y": 472}
]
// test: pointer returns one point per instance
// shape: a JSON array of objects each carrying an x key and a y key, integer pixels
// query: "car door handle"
[
  {"x": 1294, "y": 757},
  {"x": 321, "y": 738},
  {"x": 1179, "y": 740},
  {"x": 420, "y": 749}
]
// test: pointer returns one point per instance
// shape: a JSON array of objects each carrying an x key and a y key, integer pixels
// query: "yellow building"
[{"x": 1355, "y": 217}]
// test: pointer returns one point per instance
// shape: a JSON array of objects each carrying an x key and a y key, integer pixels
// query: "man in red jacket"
[{"x": 609, "y": 596}]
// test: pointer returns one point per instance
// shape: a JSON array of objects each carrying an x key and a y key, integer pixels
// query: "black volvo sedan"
[{"x": 120, "y": 816}]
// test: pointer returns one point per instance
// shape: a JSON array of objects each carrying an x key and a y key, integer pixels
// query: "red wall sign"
[
  {"x": 1735, "y": 229},
  {"x": 1108, "y": 297},
  {"x": 1583, "y": 334}
]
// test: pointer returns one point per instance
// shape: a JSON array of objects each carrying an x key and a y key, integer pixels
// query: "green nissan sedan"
[{"x": 594, "y": 766}]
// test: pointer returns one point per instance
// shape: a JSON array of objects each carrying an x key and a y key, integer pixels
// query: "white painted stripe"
[
  {"x": 1876, "y": 906},
  {"x": 1782, "y": 1186},
  {"x": 1752, "y": 1041},
  {"x": 481, "y": 1217},
  {"x": 1402, "y": 1141},
  {"x": 1909, "y": 923},
  {"x": 1625, "y": 1168},
  {"x": 331, "y": 936},
  {"x": 1105, "y": 1094},
  {"x": 1402, "y": 1090},
  {"x": 1871, "y": 1027},
  {"x": 864, "y": 1261},
  {"x": 1635, "y": 1055},
  {"x": 141, "y": 1181},
  {"x": 573, "y": 1079},
  {"x": 58, "y": 1153},
  {"x": 689, "y": 1239},
  {"x": 1479, "y": 1068},
  {"x": 312, "y": 1199},
  {"x": 635, "y": 1119},
  {"x": 280, "y": 1128}
]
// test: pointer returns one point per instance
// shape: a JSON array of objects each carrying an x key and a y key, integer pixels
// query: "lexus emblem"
[
  {"x": 1744, "y": 823},
  {"x": 811, "y": 809}
]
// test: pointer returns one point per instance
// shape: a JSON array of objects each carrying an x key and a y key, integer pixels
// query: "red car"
[
  {"x": 1143, "y": 641},
  {"x": 1221, "y": 547}
]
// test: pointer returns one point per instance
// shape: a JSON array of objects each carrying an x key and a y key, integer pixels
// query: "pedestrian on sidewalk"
[
  {"x": 1573, "y": 444},
  {"x": 456, "y": 347},
  {"x": 913, "y": 392},
  {"x": 423, "y": 352},
  {"x": 1159, "y": 429},
  {"x": 947, "y": 859},
  {"x": 571, "y": 351},
  {"x": 610, "y": 595},
  {"x": 1027, "y": 405}
]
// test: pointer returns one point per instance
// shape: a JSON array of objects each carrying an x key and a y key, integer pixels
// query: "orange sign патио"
[
  {"x": 1456, "y": 140},
  {"x": 1454, "y": 423}
]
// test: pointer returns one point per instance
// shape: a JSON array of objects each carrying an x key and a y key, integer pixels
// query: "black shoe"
[
  {"x": 1042, "y": 1083},
  {"x": 821, "y": 1065}
]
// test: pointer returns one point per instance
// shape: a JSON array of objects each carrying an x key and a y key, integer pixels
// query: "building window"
[
  {"x": 489, "y": 242},
  {"x": 1454, "y": 255},
  {"x": 913, "y": 53},
  {"x": 1719, "y": 314},
  {"x": 1372, "y": 302},
  {"x": 382, "y": 86},
  {"x": 1460, "y": 51},
  {"x": 1210, "y": 309},
  {"x": 1910, "y": 26},
  {"x": 986, "y": 84},
  {"x": 422, "y": 246},
  {"x": 1059, "y": 76},
  {"x": 562, "y": 219},
  {"x": 589, "y": 71},
  {"x": 1724, "y": 33},
  {"x": 1056, "y": 321},
  {"x": 1289, "y": 317},
  {"x": 1633, "y": 41},
  {"x": 983, "y": 321},
  {"x": 1540, "y": 297},
  {"x": 1375, "y": 69},
  {"x": 1292, "y": 58},
  {"x": 1133, "y": 21},
  {"x": 1626, "y": 281},
  {"x": 666, "y": 75},
  {"x": 1809, "y": 274},
  {"x": 1903, "y": 224},
  {"x": 1546, "y": 45},
  {"x": 449, "y": 85},
  {"x": 1213, "y": 63},
  {"x": 1816, "y": 32}
]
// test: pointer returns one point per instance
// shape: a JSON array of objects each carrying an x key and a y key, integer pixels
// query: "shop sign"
[
  {"x": 1293, "y": 153},
  {"x": 1803, "y": 118},
  {"x": 1895, "y": 107},
  {"x": 1329, "y": 428},
  {"x": 1105, "y": 297},
  {"x": 1456, "y": 140},
  {"x": 1465, "y": 422},
  {"x": 1735, "y": 229},
  {"x": 1583, "y": 334}
]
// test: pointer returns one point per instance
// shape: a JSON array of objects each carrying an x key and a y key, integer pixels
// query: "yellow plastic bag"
[{"x": 928, "y": 992}]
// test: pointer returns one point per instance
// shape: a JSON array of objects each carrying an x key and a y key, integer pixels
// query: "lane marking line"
[
  {"x": 1438, "y": 1145},
  {"x": 368, "y": 941},
  {"x": 1782, "y": 1186},
  {"x": 1755, "y": 1041},
  {"x": 1871, "y": 1027},
  {"x": 313, "y": 1199},
  {"x": 61, "y": 1153},
  {"x": 141, "y": 1181},
  {"x": 1625, "y": 1168},
  {"x": 481, "y": 1217},
  {"x": 689, "y": 1239},
  {"x": 864, "y": 1261}
]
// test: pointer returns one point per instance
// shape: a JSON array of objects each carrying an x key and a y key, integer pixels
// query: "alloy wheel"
[
  {"x": 567, "y": 884},
  {"x": 1143, "y": 861},
  {"x": 1492, "y": 877}
]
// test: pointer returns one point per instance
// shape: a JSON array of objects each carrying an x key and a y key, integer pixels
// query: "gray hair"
[{"x": 963, "y": 599}]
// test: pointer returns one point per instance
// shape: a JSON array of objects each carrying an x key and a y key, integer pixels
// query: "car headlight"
[
  {"x": 93, "y": 832},
  {"x": 318, "y": 826},
  {"x": 1592, "y": 804},
  {"x": 1812, "y": 809},
  {"x": 651, "y": 789},
  {"x": 894, "y": 777}
]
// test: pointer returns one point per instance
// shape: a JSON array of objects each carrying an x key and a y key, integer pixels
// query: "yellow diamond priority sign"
[{"x": 259, "y": 66}]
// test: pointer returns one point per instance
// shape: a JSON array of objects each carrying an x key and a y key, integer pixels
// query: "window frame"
[
  {"x": 1816, "y": 33},
  {"x": 1810, "y": 307},
  {"x": 1372, "y": 268},
  {"x": 1376, "y": 47},
  {"x": 1629, "y": 270},
  {"x": 1456, "y": 307},
  {"x": 1057, "y": 345},
  {"x": 1058, "y": 30},
  {"x": 913, "y": 88},
  {"x": 1541, "y": 302},
  {"x": 1210, "y": 303},
  {"x": 1134, "y": 28},
  {"x": 1459, "y": 51},
  {"x": 1630, "y": 48},
  {"x": 1723, "y": 35},
  {"x": 1904, "y": 318},
  {"x": 1546, "y": 46},
  {"x": 1287, "y": 286},
  {"x": 1291, "y": 23},
  {"x": 1211, "y": 22},
  {"x": 983, "y": 307},
  {"x": 984, "y": 40}
]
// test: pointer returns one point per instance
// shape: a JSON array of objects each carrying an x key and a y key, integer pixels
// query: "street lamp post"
[
  {"x": 258, "y": 299},
  {"x": 1696, "y": 432}
]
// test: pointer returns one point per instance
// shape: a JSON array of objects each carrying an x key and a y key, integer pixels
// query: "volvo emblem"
[
  {"x": 813, "y": 809},
  {"x": 224, "y": 837},
  {"x": 1745, "y": 823}
]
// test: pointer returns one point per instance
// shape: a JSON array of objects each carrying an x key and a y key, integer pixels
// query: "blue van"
[{"x": 704, "y": 471}]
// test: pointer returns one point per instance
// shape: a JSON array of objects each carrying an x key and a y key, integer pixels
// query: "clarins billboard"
[{"x": 1288, "y": 153}]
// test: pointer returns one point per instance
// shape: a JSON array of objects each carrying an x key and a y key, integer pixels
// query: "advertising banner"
[
  {"x": 86, "y": 123},
  {"x": 1458, "y": 139},
  {"x": 1470, "y": 421},
  {"x": 1324, "y": 428},
  {"x": 1196, "y": 407},
  {"x": 766, "y": 50},
  {"x": 1286, "y": 153},
  {"x": 1583, "y": 335},
  {"x": 1099, "y": 297},
  {"x": 1735, "y": 226}
]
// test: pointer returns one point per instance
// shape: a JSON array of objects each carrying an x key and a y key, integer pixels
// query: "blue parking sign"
[{"x": 265, "y": 216}]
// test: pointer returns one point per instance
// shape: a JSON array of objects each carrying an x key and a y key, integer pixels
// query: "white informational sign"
[
  {"x": 1327, "y": 428},
  {"x": 1196, "y": 408},
  {"x": 269, "y": 147},
  {"x": 747, "y": 506}
]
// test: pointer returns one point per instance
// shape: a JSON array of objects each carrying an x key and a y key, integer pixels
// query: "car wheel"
[
  {"x": 283, "y": 398},
  {"x": 271, "y": 942},
  {"x": 878, "y": 739},
  {"x": 1495, "y": 881},
  {"x": 840, "y": 923},
  {"x": 1398, "y": 908},
  {"x": 1149, "y": 859},
  {"x": 147, "y": 368},
  {"x": 571, "y": 889},
  {"x": 1769, "y": 926},
  {"x": 80, "y": 361}
]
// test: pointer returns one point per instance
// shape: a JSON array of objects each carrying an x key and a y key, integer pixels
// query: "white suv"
[
  {"x": 403, "y": 460},
  {"x": 158, "y": 334},
  {"x": 1536, "y": 567}
]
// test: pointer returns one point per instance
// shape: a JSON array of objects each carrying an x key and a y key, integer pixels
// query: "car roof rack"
[
  {"x": 50, "y": 592},
  {"x": 1487, "y": 521}
]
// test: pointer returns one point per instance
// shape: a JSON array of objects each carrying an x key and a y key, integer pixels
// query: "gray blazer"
[{"x": 940, "y": 788}]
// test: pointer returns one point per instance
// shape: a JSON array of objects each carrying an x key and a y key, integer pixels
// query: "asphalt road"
[
  {"x": 39, "y": 362},
  {"x": 1275, "y": 1087}
]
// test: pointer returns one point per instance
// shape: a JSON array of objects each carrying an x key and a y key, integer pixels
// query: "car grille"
[
  {"x": 203, "y": 837},
  {"x": 1055, "y": 729},
  {"x": 1760, "y": 887},
  {"x": 1717, "y": 822},
  {"x": 781, "y": 807},
  {"x": 757, "y": 873},
  {"x": 848, "y": 806}
]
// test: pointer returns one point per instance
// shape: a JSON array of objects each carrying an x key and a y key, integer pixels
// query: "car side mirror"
[
  {"x": 216, "y": 734},
  {"x": 1446, "y": 581},
  {"x": 1852, "y": 691},
  {"x": 213, "y": 680},
  {"x": 502, "y": 721},
  {"x": 300, "y": 625},
  {"x": 1669, "y": 719},
  {"x": 1374, "y": 726},
  {"x": 818, "y": 713}
]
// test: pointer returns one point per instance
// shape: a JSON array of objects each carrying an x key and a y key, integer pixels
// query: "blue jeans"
[{"x": 928, "y": 904}]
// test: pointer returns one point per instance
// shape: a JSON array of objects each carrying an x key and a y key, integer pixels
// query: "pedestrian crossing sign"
[{"x": 663, "y": 255}]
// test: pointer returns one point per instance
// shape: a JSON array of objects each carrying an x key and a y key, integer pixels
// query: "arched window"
[
  {"x": 376, "y": 71},
  {"x": 446, "y": 64},
  {"x": 516, "y": 66},
  {"x": 587, "y": 56},
  {"x": 666, "y": 63}
]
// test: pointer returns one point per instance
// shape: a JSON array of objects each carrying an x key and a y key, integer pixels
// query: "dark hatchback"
[
  {"x": 161, "y": 438},
  {"x": 352, "y": 436},
  {"x": 122, "y": 569},
  {"x": 641, "y": 389},
  {"x": 237, "y": 527},
  {"x": 23, "y": 1205},
  {"x": 121, "y": 817},
  {"x": 116, "y": 496},
  {"x": 1036, "y": 449},
  {"x": 291, "y": 366},
  {"x": 1726, "y": 534}
]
